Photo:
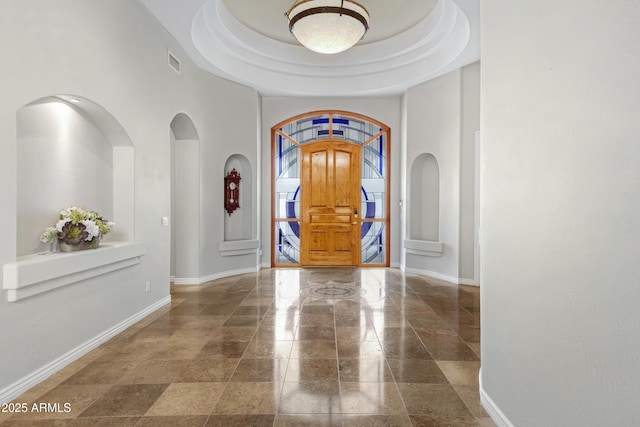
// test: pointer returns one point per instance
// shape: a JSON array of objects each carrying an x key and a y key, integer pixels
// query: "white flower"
[
  {"x": 92, "y": 228},
  {"x": 61, "y": 224},
  {"x": 49, "y": 235}
]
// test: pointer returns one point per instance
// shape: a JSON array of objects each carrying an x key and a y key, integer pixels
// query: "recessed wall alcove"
[
  {"x": 424, "y": 207},
  {"x": 70, "y": 152},
  {"x": 185, "y": 199},
  {"x": 239, "y": 227}
]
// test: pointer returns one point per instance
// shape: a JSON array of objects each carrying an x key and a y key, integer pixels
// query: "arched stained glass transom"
[{"x": 330, "y": 190}]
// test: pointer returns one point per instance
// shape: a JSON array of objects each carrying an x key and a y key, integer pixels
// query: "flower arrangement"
[{"x": 77, "y": 228}]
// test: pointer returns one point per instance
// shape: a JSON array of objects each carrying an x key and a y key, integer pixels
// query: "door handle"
[{"x": 354, "y": 220}]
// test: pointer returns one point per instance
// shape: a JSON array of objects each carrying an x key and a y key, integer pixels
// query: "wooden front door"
[{"x": 330, "y": 228}]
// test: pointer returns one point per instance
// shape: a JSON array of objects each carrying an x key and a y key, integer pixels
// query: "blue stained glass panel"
[
  {"x": 373, "y": 244},
  {"x": 287, "y": 243},
  {"x": 308, "y": 129}
]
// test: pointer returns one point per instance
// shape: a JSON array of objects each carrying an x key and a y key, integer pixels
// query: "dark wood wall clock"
[{"x": 232, "y": 191}]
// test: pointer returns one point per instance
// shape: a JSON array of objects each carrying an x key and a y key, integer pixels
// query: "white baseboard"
[
  {"x": 435, "y": 275},
  {"x": 229, "y": 273},
  {"x": 215, "y": 276},
  {"x": 14, "y": 390},
  {"x": 186, "y": 281},
  {"x": 492, "y": 409},
  {"x": 470, "y": 282}
]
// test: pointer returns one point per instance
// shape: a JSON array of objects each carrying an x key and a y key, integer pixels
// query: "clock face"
[{"x": 232, "y": 185}]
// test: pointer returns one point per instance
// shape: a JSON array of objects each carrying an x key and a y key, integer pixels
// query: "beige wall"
[{"x": 560, "y": 211}]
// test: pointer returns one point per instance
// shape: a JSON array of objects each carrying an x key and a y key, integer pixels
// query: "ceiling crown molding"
[{"x": 218, "y": 42}]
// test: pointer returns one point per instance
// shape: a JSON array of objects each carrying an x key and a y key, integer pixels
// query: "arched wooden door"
[{"x": 330, "y": 191}]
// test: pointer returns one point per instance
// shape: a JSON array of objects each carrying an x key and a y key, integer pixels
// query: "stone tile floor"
[{"x": 283, "y": 347}]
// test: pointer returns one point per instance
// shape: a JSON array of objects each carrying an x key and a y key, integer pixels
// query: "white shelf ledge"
[
  {"x": 39, "y": 273},
  {"x": 423, "y": 247},
  {"x": 239, "y": 247}
]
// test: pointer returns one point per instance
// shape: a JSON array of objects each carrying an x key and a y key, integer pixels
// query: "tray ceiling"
[{"x": 247, "y": 41}]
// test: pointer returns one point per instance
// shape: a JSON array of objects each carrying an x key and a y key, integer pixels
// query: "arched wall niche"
[
  {"x": 71, "y": 152},
  {"x": 185, "y": 198},
  {"x": 183, "y": 128},
  {"x": 424, "y": 223},
  {"x": 240, "y": 224}
]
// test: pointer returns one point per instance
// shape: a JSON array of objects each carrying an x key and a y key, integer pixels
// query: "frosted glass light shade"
[{"x": 328, "y": 26}]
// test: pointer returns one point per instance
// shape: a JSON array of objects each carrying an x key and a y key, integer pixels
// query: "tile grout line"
[
  {"x": 394, "y": 302},
  {"x": 335, "y": 339}
]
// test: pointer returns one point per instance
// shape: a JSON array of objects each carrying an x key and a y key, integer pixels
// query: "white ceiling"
[
  {"x": 267, "y": 17},
  {"x": 248, "y": 41}
]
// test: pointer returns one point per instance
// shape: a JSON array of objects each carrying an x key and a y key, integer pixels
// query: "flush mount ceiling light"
[{"x": 328, "y": 26}]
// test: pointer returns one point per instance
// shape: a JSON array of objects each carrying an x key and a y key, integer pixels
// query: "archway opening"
[{"x": 185, "y": 199}]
